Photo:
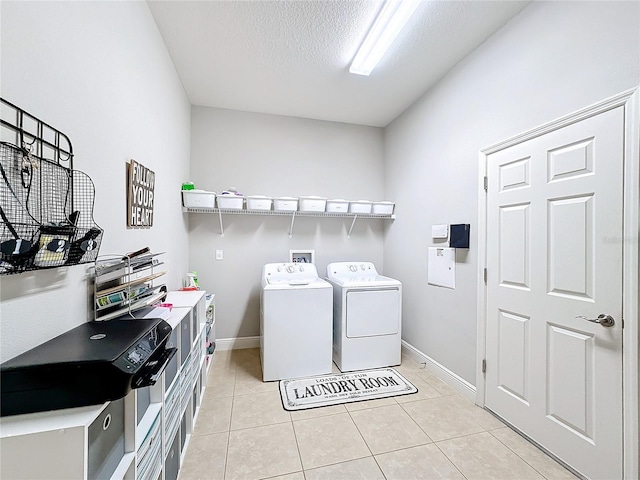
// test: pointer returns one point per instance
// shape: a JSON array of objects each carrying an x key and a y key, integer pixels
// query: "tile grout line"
[
  {"x": 293, "y": 427},
  {"x": 344, "y": 461},
  {"x": 414, "y": 421},
  {"x": 516, "y": 453},
  {"x": 524, "y": 459},
  {"x": 267, "y": 425},
  {"x": 233, "y": 397},
  {"x": 365, "y": 440},
  {"x": 450, "y": 460}
]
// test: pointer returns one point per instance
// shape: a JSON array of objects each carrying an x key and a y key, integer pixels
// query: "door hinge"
[
  {"x": 485, "y": 275},
  {"x": 622, "y": 322},
  {"x": 484, "y": 366},
  {"x": 486, "y": 183}
]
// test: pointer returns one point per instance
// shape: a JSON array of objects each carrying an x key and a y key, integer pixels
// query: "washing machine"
[
  {"x": 296, "y": 321},
  {"x": 367, "y": 316}
]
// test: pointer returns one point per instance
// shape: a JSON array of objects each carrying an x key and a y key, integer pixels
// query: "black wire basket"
[{"x": 46, "y": 206}]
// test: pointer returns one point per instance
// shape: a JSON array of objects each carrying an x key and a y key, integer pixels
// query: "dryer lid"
[
  {"x": 346, "y": 272},
  {"x": 357, "y": 273}
]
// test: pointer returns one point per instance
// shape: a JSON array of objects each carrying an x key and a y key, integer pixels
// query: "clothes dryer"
[
  {"x": 295, "y": 322},
  {"x": 367, "y": 316}
]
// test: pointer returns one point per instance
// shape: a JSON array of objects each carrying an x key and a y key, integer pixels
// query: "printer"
[{"x": 91, "y": 364}]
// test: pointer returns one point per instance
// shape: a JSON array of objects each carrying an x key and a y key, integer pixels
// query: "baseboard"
[
  {"x": 237, "y": 343},
  {"x": 466, "y": 389}
]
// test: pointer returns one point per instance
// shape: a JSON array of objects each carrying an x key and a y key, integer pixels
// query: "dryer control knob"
[
  {"x": 353, "y": 268},
  {"x": 291, "y": 269},
  {"x": 362, "y": 267}
]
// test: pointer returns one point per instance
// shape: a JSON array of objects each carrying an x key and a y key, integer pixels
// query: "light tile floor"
[{"x": 242, "y": 432}]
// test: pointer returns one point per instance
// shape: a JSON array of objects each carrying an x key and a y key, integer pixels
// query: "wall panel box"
[
  {"x": 439, "y": 231},
  {"x": 459, "y": 235}
]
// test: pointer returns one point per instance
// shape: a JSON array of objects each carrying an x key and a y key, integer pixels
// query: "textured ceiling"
[{"x": 292, "y": 57}]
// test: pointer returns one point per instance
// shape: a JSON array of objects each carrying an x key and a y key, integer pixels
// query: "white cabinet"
[
  {"x": 141, "y": 436},
  {"x": 183, "y": 397},
  {"x": 76, "y": 443}
]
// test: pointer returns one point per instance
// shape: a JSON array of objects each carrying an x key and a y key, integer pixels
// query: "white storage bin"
[
  {"x": 337, "y": 206},
  {"x": 230, "y": 202},
  {"x": 383, "y": 208},
  {"x": 96, "y": 434},
  {"x": 360, "y": 206},
  {"x": 312, "y": 204},
  {"x": 258, "y": 202},
  {"x": 198, "y": 199},
  {"x": 285, "y": 204}
]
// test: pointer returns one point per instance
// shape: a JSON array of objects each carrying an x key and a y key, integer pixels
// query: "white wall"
[
  {"x": 277, "y": 156},
  {"x": 550, "y": 60},
  {"x": 99, "y": 72}
]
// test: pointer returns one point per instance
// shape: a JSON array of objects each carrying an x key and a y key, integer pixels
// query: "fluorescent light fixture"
[{"x": 385, "y": 29}]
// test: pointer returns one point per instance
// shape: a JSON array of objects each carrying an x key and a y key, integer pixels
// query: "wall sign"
[{"x": 140, "y": 183}]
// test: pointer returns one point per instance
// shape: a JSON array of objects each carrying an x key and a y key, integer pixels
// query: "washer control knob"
[
  {"x": 291, "y": 269},
  {"x": 353, "y": 268},
  {"x": 362, "y": 267}
]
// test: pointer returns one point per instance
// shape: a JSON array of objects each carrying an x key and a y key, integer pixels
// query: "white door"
[{"x": 554, "y": 223}]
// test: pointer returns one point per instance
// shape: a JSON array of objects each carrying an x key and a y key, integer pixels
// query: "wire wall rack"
[
  {"x": 292, "y": 214},
  {"x": 46, "y": 206},
  {"x": 125, "y": 284}
]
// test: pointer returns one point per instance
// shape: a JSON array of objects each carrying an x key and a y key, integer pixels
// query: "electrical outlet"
[{"x": 219, "y": 255}]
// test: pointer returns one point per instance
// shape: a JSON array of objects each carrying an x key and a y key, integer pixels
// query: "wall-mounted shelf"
[
  {"x": 123, "y": 284},
  {"x": 293, "y": 215}
]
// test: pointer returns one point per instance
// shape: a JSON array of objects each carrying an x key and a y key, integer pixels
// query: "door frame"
[{"x": 630, "y": 100}]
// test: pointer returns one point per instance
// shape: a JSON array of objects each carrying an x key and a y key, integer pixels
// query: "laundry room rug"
[{"x": 334, "y": 389}]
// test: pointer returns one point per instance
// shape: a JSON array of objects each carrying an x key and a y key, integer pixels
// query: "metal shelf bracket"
[
  {"x": 221, "y": 225},
  {"x": 293, "y": 219},
  {"x": 355, "y": 217}
]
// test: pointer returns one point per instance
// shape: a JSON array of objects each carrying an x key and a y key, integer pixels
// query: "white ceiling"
[{"x": 292, "y": 57}]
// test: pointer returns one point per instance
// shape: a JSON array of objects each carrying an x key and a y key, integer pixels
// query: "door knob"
[{"x": 603, "y": 319}]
